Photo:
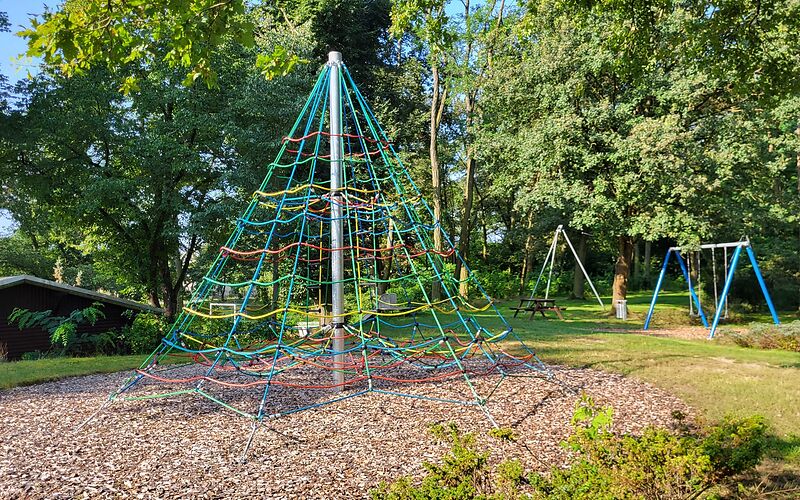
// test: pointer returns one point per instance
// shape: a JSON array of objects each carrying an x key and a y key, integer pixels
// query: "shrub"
[
  {"x": 736, "y": 445},
  {"x": 462, "y": 474},
  {"x": 144, "y": 333},
  {"x": 62, "y": 329},
  {"x": 767, "y": 336},
  {"x": 497, "y": 283},
  {"x": 657, "y": 464}
]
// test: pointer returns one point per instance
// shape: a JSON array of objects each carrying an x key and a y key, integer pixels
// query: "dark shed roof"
[{"x": 74, "y": 290}]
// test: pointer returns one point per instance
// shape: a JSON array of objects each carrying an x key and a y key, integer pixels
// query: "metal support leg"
[
  {"x": 655, "y": 292},
  {"x": 725, "y": 289},
  {"x": 585, "y": 274},
  {"x": 691, "y": 289},
  {"x": 763, "y": 285}
]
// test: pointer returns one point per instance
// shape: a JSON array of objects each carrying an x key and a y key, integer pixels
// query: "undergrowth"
[
  {"x": 657, "y": 464},
  {"x": 765, "y": 336}
]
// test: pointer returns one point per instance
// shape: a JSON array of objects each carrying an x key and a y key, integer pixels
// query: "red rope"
[{"x": 328, "y": 134}]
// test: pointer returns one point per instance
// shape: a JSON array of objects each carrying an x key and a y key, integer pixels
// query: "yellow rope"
[{"x": 404, "y": 312}]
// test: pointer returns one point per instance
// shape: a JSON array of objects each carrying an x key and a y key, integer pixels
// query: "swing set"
[
  {"x": 551, "y": 257},
  {"x": 720, "y": 301}
]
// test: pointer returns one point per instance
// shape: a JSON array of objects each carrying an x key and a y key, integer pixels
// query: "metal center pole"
[{"x": 337, "y": 230}]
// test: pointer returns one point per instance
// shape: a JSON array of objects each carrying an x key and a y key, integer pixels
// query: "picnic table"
[{"x": 534, "y": 305}]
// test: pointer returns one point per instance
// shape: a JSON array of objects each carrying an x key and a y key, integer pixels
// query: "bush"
[
  {"x": 657, "y": 464},
  {"x": 463, "y": 473},
  {"x": 497, "y": 284},
  {"x": 63, "y": 330},
  {"x": 32, "y": 356},
  {"x": 144, "y": 333},
  {"x": 140, "y": 337},
  {"x": 768, "y": 336}
]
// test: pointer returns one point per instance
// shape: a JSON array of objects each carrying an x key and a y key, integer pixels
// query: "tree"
[
  {"x": 462, "y": 48},
  {"x": 146, "y": 179},
  {"x": 83, "y": 34},
  {"x": 634, "y": 126},
  {"x": 428, "y": 23}
]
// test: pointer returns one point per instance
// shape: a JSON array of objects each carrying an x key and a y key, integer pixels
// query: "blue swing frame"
[{"x": 725, "y": 289}]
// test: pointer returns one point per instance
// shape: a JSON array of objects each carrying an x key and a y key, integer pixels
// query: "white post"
[
  {"x": 552, "y": 261},
  {"x": 337, "y": 232}
]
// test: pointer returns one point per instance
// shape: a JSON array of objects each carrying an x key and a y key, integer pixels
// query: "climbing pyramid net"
[{"x": 259, "y": 336}]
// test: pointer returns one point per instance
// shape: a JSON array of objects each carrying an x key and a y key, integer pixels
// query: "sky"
[{"x": 12, "y": 46}]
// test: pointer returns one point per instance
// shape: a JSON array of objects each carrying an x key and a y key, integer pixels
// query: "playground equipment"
[
  {"x": 720, "y": 301},
  {"x": 551, "y": 257},
  {"x": 332, "y": 238}
]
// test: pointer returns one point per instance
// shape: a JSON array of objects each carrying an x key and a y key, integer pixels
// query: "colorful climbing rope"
[{"x": 260, "y": 320}]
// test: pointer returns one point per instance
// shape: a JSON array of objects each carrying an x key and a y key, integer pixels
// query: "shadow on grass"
[
  {"x": 784, "y": 448},
  {"x": 778, "y": 476}
]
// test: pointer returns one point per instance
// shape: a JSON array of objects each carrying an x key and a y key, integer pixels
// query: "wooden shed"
[{"x": 36, "y": 294}]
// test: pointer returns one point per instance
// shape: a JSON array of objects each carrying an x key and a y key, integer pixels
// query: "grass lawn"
[
  {"x": 17, "y": 373},
  {"x": 716, "y": 377}
]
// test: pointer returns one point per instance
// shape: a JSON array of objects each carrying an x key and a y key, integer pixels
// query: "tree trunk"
[
  {"x": 466, "y": 216},
  {"x": 437, "y": 108},
  {"x": 485, "y": 243},
  {"x": 797, "y": 165},
  {"x": 647, "y": 263},
  {"x": 579, "y": 280},
  {"x": 637, "y": 266},
  {"x": 692, "y": 261},
  {"x": 469, "y": 183},
  {"x": 385, "y": 266},
  {"x": 622, "y": 270},
  {"x": 178, "y": 264},
  {"x": 152, "y": 295},
  {"x": 170, "y": 304},
  {"x": 527, "y": 263}
]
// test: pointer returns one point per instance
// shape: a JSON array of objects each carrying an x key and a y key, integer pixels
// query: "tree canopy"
[{"x": 642, "y": 124}]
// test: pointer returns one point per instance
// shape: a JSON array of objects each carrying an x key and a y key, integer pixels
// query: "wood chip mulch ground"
[{"x": 189, "y": 447}]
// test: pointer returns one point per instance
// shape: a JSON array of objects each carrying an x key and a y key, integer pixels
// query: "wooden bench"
[{"x": 538, "y": 305}]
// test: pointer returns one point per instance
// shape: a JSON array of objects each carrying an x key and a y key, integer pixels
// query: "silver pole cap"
[{"x": 334, "y": 57}]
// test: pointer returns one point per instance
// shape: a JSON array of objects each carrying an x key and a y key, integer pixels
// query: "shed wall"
[{"x": 35, "y": 298}]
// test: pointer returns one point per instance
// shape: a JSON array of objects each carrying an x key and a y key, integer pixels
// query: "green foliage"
[
  {"x": 657, "y": 464},
  {"x": 140, "y": 337},
  {"x": 278, "y": 63},
  {"x": 63, "y": 329},
  {"x": 504, "y": 434},
  {"x": 462, "y": 474},
  {"x": 768, "y": 336},
  {"x": 497, "y": 283},
  {"x": 32, "y": 356},
  {"x": 162, "y": 180},
  {"x": 117, "y": 34},
  {"x": 144, "y": 333},
  {"x": 736, "y": 445}
]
